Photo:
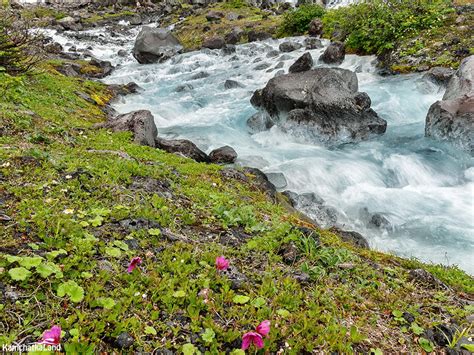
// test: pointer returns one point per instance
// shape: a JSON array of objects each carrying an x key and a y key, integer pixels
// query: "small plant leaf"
[
  {"x": 397, "y": 314},
  {"x": 114, "y": 252},
  {"x": 154, "y": 231},
  {"x": 72, "y": 289},
  {"x": 121, "y": 245},
  {"x": 415, "y": 328},
  {"x": 179, "y": 294},
  {"x": 240, "y": 299},
  {"x": 47, "y": 269},
  {"x": 425, "y": 344},
  {"x": 106, "y": 302},
  {"x": 150, "y": 330},
  {"x": 283, "y": 313},
  {"x": 30, "y": 261},
  {"x": 19, "y": 273},
  {"x": 259, "y": 302},
  {"x": 190, "y": 349},
  {"x": 468, "y": 347},
  {"x": 208, "y": 335}
]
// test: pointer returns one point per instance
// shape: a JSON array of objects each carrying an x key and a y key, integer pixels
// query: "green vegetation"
[
  {"x": 79, "y": 203},
  {"x": 15, "y": 45},
  {"x": 407, "y": 35},
  {"x": 296, "y": 21},
  {"x": 193, "y": 30},
  {"x": 376, "y": 26}
]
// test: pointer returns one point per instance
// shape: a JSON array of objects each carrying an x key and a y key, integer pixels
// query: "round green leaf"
[
  {"x": 114, "y": 252},
  {"x": 30, "y": 261},
  {"x": 179, "y": 294},
  {"x": 19, "y": 273},
  {"x": 150, "y": 330},
  {"x": 208, "y": 335},
  {"x": 240, "y": 299}
]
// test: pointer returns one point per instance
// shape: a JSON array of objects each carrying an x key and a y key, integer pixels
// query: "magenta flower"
[
  {"x": 222, "y": 263},
  {"x": 263, "y": 328},
  {"x": 256, "y": 338},
  {"x": 134, "y": 263},
  {"x": 51, "y": 336},
  {"x": 252, "y": 338}
]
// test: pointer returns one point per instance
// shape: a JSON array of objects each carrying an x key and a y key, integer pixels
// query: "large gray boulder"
[
  {"x": 155, "y": 45},
  {"x": 452, "y": 118},
  {"x": 323, "y": 103},
  {"x": 141, "y": 123}
]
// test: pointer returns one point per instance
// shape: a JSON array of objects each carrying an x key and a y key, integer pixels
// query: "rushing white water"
[{"x": 424, "y": 188}]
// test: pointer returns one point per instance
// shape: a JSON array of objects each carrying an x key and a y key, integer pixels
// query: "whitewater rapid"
[{"x": 424, "y": 188}]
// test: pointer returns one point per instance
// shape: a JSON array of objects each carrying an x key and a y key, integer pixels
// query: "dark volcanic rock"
[
  {"x": 155, "y": 45},
  {"x": 289, "y": 46},
  {"x": 223, "y": 155},
  {"x": 379, "y": 221},
  {"x": 303, "y": 63},
  {"x": 234, "y": 36},
  {"x": 183, "y": 147},
  {"x": 259, "y": 122},
  {"x": 351, "y": 237},
  {"x": 314, "y": 207},
  {"x": 334, "y": 53},
  {"x": 315, "y": 27},
  {"x": 232, "y": 84},
  {"x": 452, "y": 118},
  {"x": 214, "y": 16},
  {"x": 141, "y": 123},
  {"x": 313, "y": 43},
  {"x": 254, "y": 36},
  {"x": 261, "y": 181},
  {"x": 423, "y": 276},
  {"x": 323, "y": 103},
  {"x": 214, "y": 43},
  {"x": 439, "y": 75},
  {"x": 53, "y": 47},
  {"x": 124, "y": 341},
  {"x": 277, "y": 179},
  {"x": 104, "y": 66}
]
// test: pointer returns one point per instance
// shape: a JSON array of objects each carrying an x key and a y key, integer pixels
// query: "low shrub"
[
  {"x": 296, "y": 21},
  {"x": 375, "y": 26},
  {"x": 19, "y": 49}
]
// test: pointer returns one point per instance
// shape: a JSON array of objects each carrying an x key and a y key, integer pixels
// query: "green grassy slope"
[{"x": 79, "y": 203}]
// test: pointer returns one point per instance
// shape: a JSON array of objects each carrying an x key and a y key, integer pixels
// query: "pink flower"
[
  {"x": 52, "y": 336},
  {"x": 263, "y": 328},
  {"x": 134, "y": 263},
  {"x": 222, "y": 263},
  {"x": 256, "y": 338},
  {"x": 252, "y": 338}
]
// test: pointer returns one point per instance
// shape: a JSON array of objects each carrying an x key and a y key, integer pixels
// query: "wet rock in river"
[
  {"x": 289, "y": 46},
  {"x": 303, "y": 63},
  {"x": 154, "y": 45},
  {"x": 334, "y": 53},
  {"x": 323, "y": 103},
  {"x": 452, "y": 118}
]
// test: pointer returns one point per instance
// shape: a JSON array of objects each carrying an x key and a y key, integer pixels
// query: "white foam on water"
[{"x": 423, "y": 187}]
